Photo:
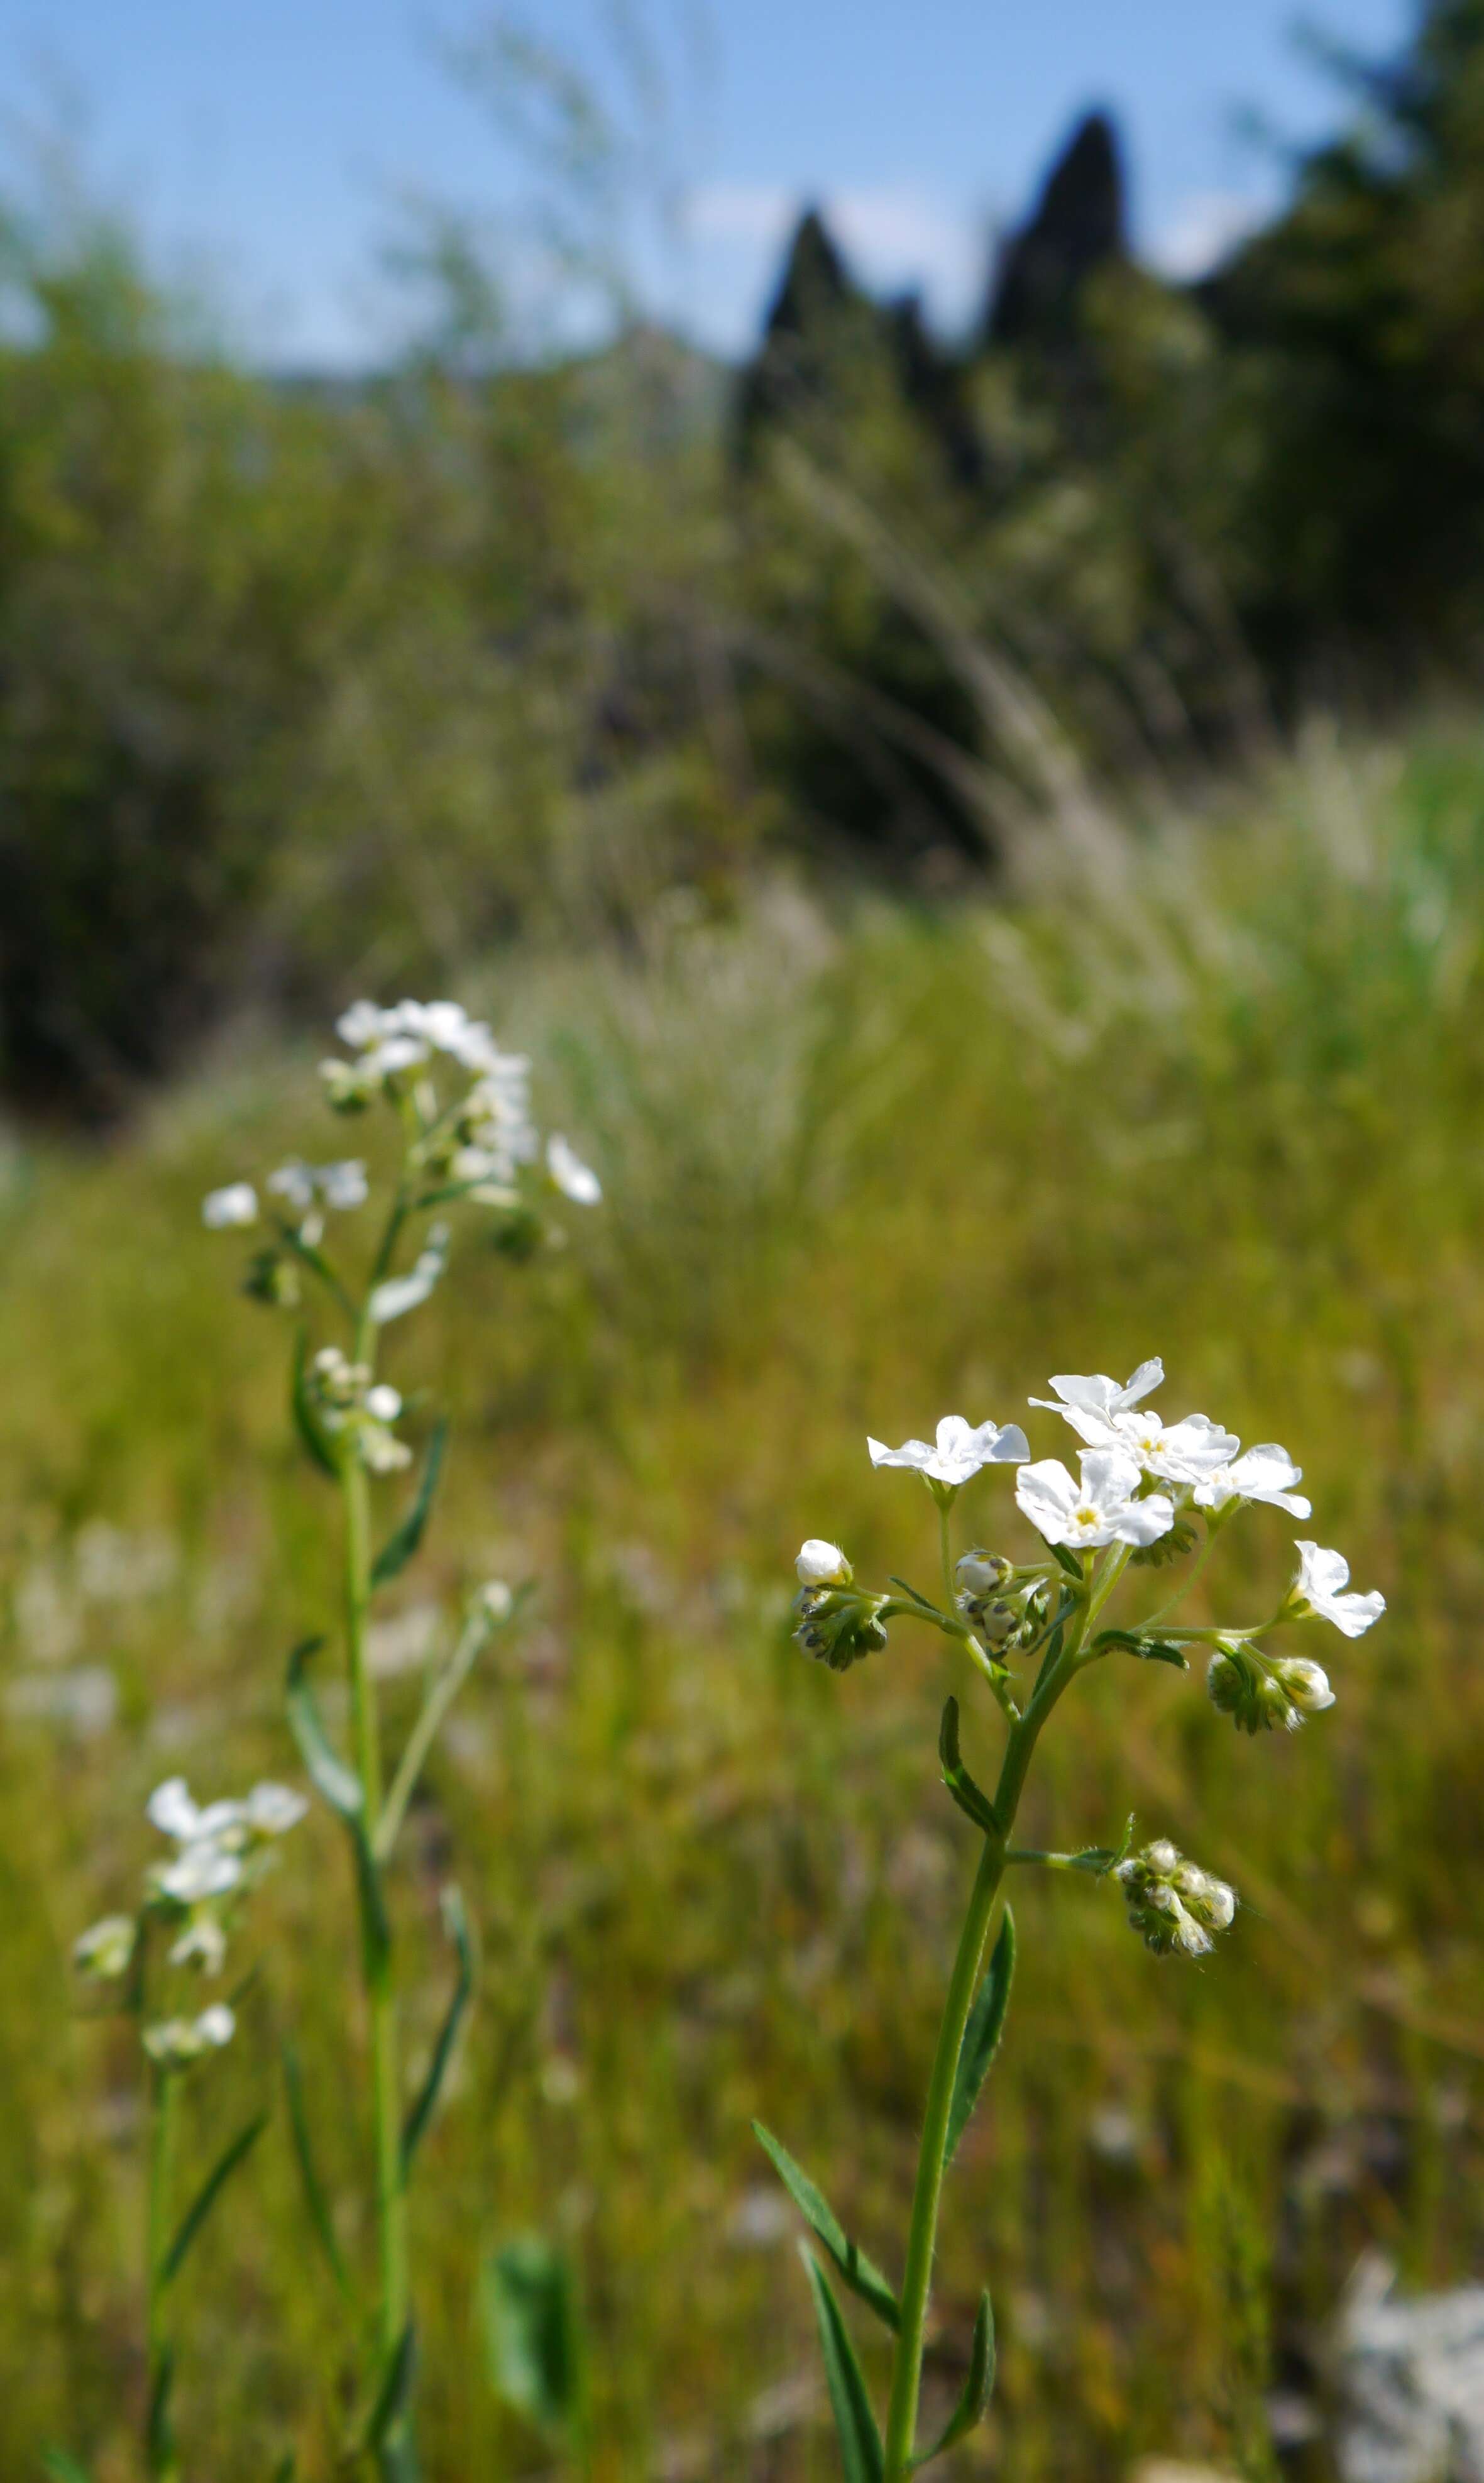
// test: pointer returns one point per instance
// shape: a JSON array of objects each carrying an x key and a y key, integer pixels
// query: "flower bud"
[
  {"x": 273, "y": 1279},
  {"x": 103, "y": 1951},
  {"x": 1306, "y": 1684},
  {"x": 982, "y": 1573},
  {"x": 838, "y": 1625},
  {"x": 1172, "y": 1903},
  {"x": 822, "y": 1564}
]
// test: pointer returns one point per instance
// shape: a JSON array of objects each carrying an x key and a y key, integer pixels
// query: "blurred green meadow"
[{"x": 1216, "y": 1093}]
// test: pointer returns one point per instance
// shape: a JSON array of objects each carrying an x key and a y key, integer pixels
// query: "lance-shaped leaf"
[
  {"x": 980, "y": 2037},
  {"x": 395, "y": 2396},
  {"x": 307, "y": 1422},
  {"x": 980, "y": 2381},
  {"x": 308, "y": 2173},
  {"x": 398, "y": 1549},
  {"x": 341, "y": 1789},
  {"x": 159, "y": 2440},
  {"x": 1068, "y": 1560},
  {"x": 972, "y": 1800},
  {"x": 860, "y": 2452},
  {"x": 1149, "y": 1649},
  {"x": 533, "y": 2338},
  {"x": 210, "y": 2191},
  {"x": 859, "y": 2272},
  {"x": 456, "y": 1924}
]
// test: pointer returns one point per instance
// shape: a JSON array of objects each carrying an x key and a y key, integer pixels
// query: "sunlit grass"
[{"x": 862, "y": 1167}]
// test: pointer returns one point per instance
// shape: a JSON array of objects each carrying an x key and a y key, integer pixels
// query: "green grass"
[{"x": 863, "y": 1166}]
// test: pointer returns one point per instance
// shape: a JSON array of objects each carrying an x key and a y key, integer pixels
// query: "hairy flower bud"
[
  {"x": 1172, "y": 1903},
  {"x": 1264, "y": 1697},
  {"x": 840, "y": 1626},
  {"x": 822, "y": 1564}
]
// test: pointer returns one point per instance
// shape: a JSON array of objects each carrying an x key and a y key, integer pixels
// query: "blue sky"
[{"x": 268, "y": 145}]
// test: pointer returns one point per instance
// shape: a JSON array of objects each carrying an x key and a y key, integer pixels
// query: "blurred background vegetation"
[{"x": 987, "y": 848}]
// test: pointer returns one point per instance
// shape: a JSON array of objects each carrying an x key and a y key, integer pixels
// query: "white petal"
[
  {"x": 236, "y": 1204},
  {"x": 1109, "y": 1478},
  {"x": 1138, "y": 1384},
  {"x": 820, "y": 1564},
  {"x": 912, "y": 1452},
  {"x": 171, "y": 1809},
  {"x": 1144, "y": 1521},
  {"x": 1046, "y": 1494},
  {"x": 575, "y": 1179}
]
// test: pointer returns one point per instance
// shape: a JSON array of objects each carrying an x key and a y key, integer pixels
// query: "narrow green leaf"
[
  {"x": 209, "y": 2193},
  {"x": 1067, "y": 1561},
  {"x": 860, "y": 2452},
  {"x": 970, "y": 1798},
  {"x": 398, "y": 1549},
  {"x": 970, "y": 2407},
  {"x": 394, "y": 2394},
  {"x": 63, "y": 2468},
  {"x": 159, "y": 2442},
  {"x": 314, "y": 2195},
  {"x": 859, "y": 2272},
  {"x": 1140, "y": 1644},
  {"x": 920, "y": 1601},
  {"x": 455, "y": 1923},
  {"x": 338, "y": 1783},
  {"x": 532, "y": 2332},
  {"x": 981, "y": 2036},
  {"x": 341, "y": 1789},
  {"x": 307, "y": 1422}
]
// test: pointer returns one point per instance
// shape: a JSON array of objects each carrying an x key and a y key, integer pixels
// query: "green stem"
[
  {"x": 162, "y": 2117},
  {"x": 381, "y": 1999},
  {"x": 923, "y": 2234}
]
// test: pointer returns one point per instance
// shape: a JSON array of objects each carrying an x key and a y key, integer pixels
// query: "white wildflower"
[
  {"x": 273, "y": 1809},
  {"x": 1265, "y": 1472},
  {"x": 495, "y": 1600},
  {"x": 822, "y": 1564},
  {"x": 236, "y": 1204},
  {"x": 104, "y": 1950},
  {"x": 570, "y": 1175},
  {"x": 202, "y": 1943},
  {"x": 176, "y": 2041},
  {"x": 958, "y": 1451},
  {"x": 384, "y": 1403},
  {"x": 172, "y": 1810},
  {"x": 199, "y": 1871},
  {"x": 1319, "y": 1590},
  {"x": 1107, "y": 1416},
  {"x": 1101, "y": 1509}
]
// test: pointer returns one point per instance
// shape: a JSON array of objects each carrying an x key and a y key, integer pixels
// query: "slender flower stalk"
[
  {"x": 1143, "y": 1488},
  {"x": 460, "y": 1111}
]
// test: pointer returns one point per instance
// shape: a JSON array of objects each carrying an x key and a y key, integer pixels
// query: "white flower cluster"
[
  {"x": 1140, "y": 1483},
  {"x": 352, "y": 1406},
  {"x": 1174, "y": 1904},
  {"x": 305, "y": 1189},
  {"x": 221, "y": 1850}
]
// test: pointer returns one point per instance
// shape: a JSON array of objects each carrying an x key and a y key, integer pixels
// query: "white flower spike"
[
  {"x": 959, "y": 1450},
  {"x": 235, "y": 1205},
  {"x": 1318, "y": 1588},
  {"x": 1101, "y": 1509}
]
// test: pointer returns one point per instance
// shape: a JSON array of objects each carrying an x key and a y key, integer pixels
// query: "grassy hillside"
[{"x": 1223, "y": 1103}]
